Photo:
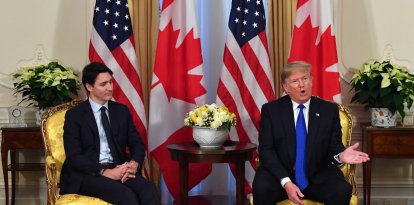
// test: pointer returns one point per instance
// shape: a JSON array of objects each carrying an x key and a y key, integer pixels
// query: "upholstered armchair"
[
  {"x": 348, "y": 170},
  {"x": 52, "y": 131}
]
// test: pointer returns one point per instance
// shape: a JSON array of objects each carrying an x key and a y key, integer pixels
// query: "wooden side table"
[
  {"x": 18, "y": 138},
  {"x": 233, "y": 152},
  {"x": 397, "y": 142}
]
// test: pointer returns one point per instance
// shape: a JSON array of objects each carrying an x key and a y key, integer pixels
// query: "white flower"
[
  {"x": 186, "y": 122},
  {"x": 215, "y": 124},
  {"x": 383, "y": 85},
  {"x": 200, "y": 121},
  {"x": 48, "y": 85},
  {"x": 210, "y": 116}
]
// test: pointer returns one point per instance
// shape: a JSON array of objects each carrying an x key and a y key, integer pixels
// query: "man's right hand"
[{"x": 294, "y": 193}]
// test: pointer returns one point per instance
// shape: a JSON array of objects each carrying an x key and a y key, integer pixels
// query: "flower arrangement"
[
  {"x": 210, "y": 116},
  {"x": 383, "y": 85},
  {"x": 47, "y": 85}
]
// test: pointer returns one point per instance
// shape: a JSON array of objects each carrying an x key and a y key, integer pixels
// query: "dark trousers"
[
  {"x": 134, "y": 191},
  {"x": 267, "y": 190}
]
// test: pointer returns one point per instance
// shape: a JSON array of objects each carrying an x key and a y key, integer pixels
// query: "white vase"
[
  {"x": 209, "y": 138},
  {"x": 383, "y": 117}
]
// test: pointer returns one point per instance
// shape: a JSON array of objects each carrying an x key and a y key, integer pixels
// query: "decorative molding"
[
  {"x": 39, "y": 58},
  {"x": 388, "y": 55}
]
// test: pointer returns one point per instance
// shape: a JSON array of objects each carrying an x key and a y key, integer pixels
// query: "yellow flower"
[
  {"x": 210, "y": 116},
  {"x": 194, "y": 118}
]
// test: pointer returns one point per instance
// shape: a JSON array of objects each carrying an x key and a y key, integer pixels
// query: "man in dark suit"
[
  {"x": 97, "y": 134},
  {"x": 300, "y": 146}
]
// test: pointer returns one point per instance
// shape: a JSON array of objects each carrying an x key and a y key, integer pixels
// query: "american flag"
[
  {"x": 112, "y": 43},
  {"x": 246, "y": 81},
  {"x": 314, "y": 41}
]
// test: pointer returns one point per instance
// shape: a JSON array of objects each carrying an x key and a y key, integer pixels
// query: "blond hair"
[{"x": 293, "y": 66}]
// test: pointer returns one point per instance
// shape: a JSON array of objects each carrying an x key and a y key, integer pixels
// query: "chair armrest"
[
  {"x": 51, "y": 180},
  {"x": 351, "y": 179}
]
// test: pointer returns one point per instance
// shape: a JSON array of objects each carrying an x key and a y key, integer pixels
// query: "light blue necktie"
[{"x": 300, "y": 171}]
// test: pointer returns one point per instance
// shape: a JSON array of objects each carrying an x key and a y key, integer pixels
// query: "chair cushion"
[
  {"x": 354, "y": 201},
  {"x": 55, "y": 139},
  {"x": 75, "y": 199},
  {"x": 346, "y": 128},
  {"x": 345, "y": 124}
]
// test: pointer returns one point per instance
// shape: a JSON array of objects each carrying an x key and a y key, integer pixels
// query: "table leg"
[
  {"x": 13, "y": 175},
  {"x": 4, "y": 151},
  {"x": 183, "y": 183},
  {"x": 364, "y": 182},
  {"x": 364, "y": 166},
  {"x": 368, "y": 180},
  {"x": 240, "y": 196}
]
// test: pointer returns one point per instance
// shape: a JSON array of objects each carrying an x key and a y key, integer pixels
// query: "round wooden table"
[{"x": 230, "y": 152}]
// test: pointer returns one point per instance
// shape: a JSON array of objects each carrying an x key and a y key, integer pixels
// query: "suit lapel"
[
  {"x": 289, "y": 127},
  {"x": 313, "y": 126},
  {"x": 90, "y": 119},
  {"x": 114, "y": 125},
  {"x": 112, "y": 118}
]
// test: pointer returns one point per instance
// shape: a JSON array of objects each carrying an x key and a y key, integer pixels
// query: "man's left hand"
[
  {"x": 351, "y": 156},
  {"x": 131, "y": 170}
]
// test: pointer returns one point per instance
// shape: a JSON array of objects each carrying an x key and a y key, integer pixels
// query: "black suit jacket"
[
  {"x": 277, "y": 139},
  {"x": 81, "y": 142}
]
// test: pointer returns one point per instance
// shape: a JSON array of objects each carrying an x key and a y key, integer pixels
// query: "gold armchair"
[
  {"x": 52, "y": 132},
  {"x": 348, "y": 170}
]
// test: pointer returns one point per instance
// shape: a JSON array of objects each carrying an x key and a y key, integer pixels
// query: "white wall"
[{"x": 62, "y": 28}]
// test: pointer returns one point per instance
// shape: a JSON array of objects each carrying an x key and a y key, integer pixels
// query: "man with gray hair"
[{"x": 300, "y": 146}]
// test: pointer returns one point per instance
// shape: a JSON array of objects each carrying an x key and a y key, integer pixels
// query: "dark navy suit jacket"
[
  {"x": 81, "y": 142},
  {"x": 277, "y": 139}
]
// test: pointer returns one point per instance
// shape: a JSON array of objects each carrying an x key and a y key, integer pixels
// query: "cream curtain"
[
  {"x": 281, "y": 19},
  {"x": 144, "y": 14}
]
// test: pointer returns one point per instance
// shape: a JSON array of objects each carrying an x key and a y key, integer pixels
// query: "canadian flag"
[
  {"x": 314, "y": 42},
  {"x": 177, "y": 87}
]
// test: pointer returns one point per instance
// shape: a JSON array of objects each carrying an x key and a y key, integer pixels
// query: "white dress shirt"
[
  {"x": 104, "y": 151},
  {"x": 296, "y": 110}
]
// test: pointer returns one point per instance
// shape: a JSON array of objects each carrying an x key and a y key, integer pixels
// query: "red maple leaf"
[
  {"x": 321, "y": 56},
  {"x": 172, "y": 65}
]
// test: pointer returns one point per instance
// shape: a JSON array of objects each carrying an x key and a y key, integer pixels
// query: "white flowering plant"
[
  {"x": 383, "y": 85},
  {"x": 210, "y": 116},
  {"x": 46, "y": 85}
]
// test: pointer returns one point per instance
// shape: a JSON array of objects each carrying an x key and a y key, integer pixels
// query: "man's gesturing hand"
[{"x": 351, "y": 156}]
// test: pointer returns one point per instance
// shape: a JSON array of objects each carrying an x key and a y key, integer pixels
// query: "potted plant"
[
  {"x": 211, "y": 124},
  {"x": 383, "y": 85},
  {"x": 46, "y": 86}
]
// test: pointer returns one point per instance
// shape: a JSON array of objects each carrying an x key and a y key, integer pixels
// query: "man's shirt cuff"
[
  {"x": 338, "y": 162},
  {"x": 285, "y": 180}
]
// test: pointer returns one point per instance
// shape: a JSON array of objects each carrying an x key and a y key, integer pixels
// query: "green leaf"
[
  {"x": 363, "y": 96},
  {"x": 384, "y": 91}
]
